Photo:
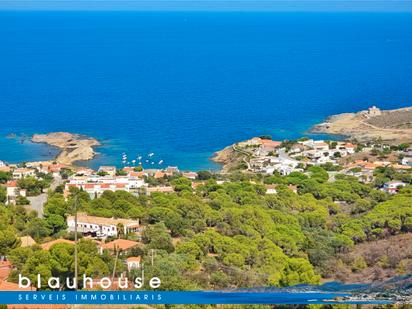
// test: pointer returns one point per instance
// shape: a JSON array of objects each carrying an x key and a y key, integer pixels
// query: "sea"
[{"x": 182, "y": 85}]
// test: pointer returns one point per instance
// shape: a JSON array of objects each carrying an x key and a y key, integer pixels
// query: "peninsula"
[
  {"x": 74, "y": 147},
  {"x": 390, "y": 126}
]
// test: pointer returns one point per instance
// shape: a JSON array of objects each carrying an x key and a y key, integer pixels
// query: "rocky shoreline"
[
  {"x": 390, "y": 126},
  {"x": 73, "y": 147}
]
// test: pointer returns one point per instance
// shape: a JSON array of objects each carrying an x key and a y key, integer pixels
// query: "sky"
[{"x": 210, "y": 5}]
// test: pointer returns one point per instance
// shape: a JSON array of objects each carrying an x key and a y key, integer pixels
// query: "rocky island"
[
  {"x": 390, "y": 126},
  {"x": 74, "y": 147}
]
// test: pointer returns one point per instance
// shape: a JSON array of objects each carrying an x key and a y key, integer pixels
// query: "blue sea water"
[{"x": 185, "y": 84}]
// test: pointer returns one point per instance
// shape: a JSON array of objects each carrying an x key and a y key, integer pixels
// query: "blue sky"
[{"x": 238, "y": 5}]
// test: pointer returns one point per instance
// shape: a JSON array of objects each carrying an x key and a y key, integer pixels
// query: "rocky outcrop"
[{"x": 74, "y": 147}]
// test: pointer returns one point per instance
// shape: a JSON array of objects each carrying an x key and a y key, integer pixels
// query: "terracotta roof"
[
  {"x": 10, "y": 286},
  {"x": 83, "y": 218},
  {"x": 133, "y": 259},
  {"x": 135, "y": 174},
  {"x": 121, "y": 244},
  {"x": 270, "y": 143},
  {"x": 11, "y": 184},
  {"x": 48, "y": 245},
  {"x": 189, "y": 174},
  {"x": 5, "y": 269},
  {"x": 159, "y": 174}
]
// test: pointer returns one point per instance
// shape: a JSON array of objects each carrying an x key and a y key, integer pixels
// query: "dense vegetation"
[{"x": 224, "y": 235}]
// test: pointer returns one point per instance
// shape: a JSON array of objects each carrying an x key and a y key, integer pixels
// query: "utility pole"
[
  {"x": 152, "y": 255},
  {"x": 75, "y": 241}
]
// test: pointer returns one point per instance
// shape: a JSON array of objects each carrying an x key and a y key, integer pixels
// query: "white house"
[
  {"x": 22, "y": 172},
  {"x": 2, "y": 163},
  {"x": 392, "y": 187},
  {"x": 95, "y": 185},
  {"x": 407, "y": 161},
  {"x": 102, "y": 227},
  {"x": 110, "y": 170},
  {"x": 13, "y": 191},
  {"x": 320, "y": 146},
  {"x": 133, "y": 262},
  {"x": 271, "y": 189}
]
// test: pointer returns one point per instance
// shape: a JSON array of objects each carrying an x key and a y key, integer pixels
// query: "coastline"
[
  {"x": 73, "y": 147},
  {"x": 363, "y": 126},
  {"x": 390, "y": 126}
]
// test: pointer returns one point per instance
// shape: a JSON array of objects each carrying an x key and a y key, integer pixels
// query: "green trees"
[
  {"x": 32, "y": 185},
  {"x": 4, "y": 177},
  {"x": 157, "y": 237},
  {"x": 8, "y": 241},
  {"x": 38, "y": 229},
  {"x": 3, "y": 195},
  {"x": 58, "y": 262},
  {"x": 224, "y": 235}
]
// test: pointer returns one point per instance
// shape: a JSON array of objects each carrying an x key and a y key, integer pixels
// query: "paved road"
[
  {"x": 37, "y": 202},
  {"x": 283, "y": 156}
]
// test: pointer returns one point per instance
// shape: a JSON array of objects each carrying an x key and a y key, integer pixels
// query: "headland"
[
  {"x": 389, "y": 126},
  {"x": 74, "y": 147}
]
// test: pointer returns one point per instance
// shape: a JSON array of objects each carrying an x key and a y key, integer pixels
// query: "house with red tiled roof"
[
  {"x": 133, "y": 262},
  {"x": 11, "y": 286},
  {"x": 13, "y": 192},
  {"x": 121, "y": 245},
  {"x": 190, "y": 175},
  {"x": 5, "y": 269}
]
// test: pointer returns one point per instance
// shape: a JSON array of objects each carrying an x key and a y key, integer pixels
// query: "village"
[{"x": 28, "y": 185}]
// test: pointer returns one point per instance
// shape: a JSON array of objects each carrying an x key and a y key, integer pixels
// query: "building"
[
  {"x": 95, "y": 185},
  {"x": 172, "y": 170},
  {"x": 165, "y": 189},
  {"x": 373, "y": 111},
  {"x": 109, "y": 170},
  {"x": 190, "y": 175},
  {"x": 407, "y": 161},
  {"x": 22, "y": 172},
  {"x": 133, "y": 262},
  {"x": 271, "y": 189},
  {"x": 320, "y": 146},
  {"x": 5, "y": 270},
  {"x": 119, "y": 245},
  {"x": 393, "y": 187},
  {"x": 13, "y": 192},
  {"x": 2, "y": 164},
  {"x": 102, "y": 227}
]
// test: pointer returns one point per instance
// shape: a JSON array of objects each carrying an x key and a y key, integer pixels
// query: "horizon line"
[{"x": 211, "y": 5}]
